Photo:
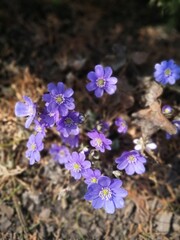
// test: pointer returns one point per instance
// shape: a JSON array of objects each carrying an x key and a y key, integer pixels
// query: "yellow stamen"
[{"x": 167, "y": 72}]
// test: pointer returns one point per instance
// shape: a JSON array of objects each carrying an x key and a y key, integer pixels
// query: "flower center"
[
  {"x": 131, "y": 159},
  {"x": 77, "y": 167},
  {"x": 33, "y": 146},
  {"x": 100, "y": 82},
  {"x": 39, "y": 129},
  {"x": 61, "y": 153},
  {"x": 167, "y": 110},
  {"x": 123, "y": 125},
  {"x": 105, "y": 193},
  {"x": 51, "y": 114},
  {"x": 167, "y": 72},
  {"x": 59, "y": 99},
  {"x": 94, "y": 180},
  {"x": 31, "y": 110},
  {"x": 98, "y": 142},
  {"x": 68, "y": 122}
]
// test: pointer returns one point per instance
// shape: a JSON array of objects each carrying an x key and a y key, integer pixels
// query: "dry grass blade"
[{"x": 6, "y": 173}]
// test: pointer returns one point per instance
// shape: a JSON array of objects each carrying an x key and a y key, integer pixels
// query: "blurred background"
[{"x": 43, "y": 41}]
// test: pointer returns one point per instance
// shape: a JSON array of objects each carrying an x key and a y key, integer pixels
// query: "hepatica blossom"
[
  {"x": 132, "y": 162},
  {"x": 40, "y": 128},
  {"x": 122, "y": 125},
  {"x": 167, "y": 111},
  {"x": 71, "y": 140},
  {"x": 49, "y": 119},
  {"x": 35, "y": 145},
  {"x": 60, "y": 154},
  {"x": 91, "y": 176},
  {"x": 27, "y": 109},
  {"x": 102, "y": 126},
  {"x": 99, "y": 141},
  {"x": 139, "y": 145},
  {"x": 77, "y": 164},
  {"x": 167, "y": 72},
  {"x": 59, "y": 99},
  {"x": 101, "y": 81},
  {"x": 69, "y": 125},
  {"x": 176, "y": 123},
  {"x": 107, "y": 194}
]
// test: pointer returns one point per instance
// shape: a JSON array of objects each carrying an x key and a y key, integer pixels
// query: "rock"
[
  {"x": 6, "y": 213},
  {"x": 176, "y": 223},
  {"x": 45, "y": 213},
  {"x": 164, "y": 222},
  {"x": 139, "y": 57},
  {"x": 128, "y": 211}
]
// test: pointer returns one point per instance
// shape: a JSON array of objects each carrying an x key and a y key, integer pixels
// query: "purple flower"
[
  {"x": 35, "y": 145},
  {"x": 71, "y": 140},
  {"x": 68, "y": 125},
  {"x": 59, "y": 98},
  {"x": 40, "y": 128},
  {"x": 102, "y": 126},
  {"x": 122, "y": 125},
  {"x": 77, "y": 164},
  {"x": 177, "y": 124},
  {"x": 167, "y": 110},
  {"x": 27, "y": 109},
  {"x": 99, "y": 141},
  {"x": 60, "y": 154},
  {"x": 132, "y": 162},
  {"x": 49, "y": 118},
  {"x": 107, "y": 194},
  {"x": 91, "y": 176},
  {"x": 167, "y": 72},
  {"x": 101, "y": 81}
]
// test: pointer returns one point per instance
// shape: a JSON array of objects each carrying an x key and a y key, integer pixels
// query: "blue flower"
[
  {"x": 91, "y": 176},
  {"x": 68, "y": 125},
  {"x": 49, "y": 118},
  {"x": 167, "y": 72},
  {"x": 107, "y": 194},
  {"x": 35, "y": 145},
  {"x": 99, "y": 141},
  {"x": 60, "y": 154},
  {"x": 176, "y": 123},
  {"x": 71, "y": 140},
  {"x": 132, "y": 162},
  {"x": 101, "y": 81},
  {"x": 27, "y": 109},
  {"x": 167, "y": 110},
  {"x": 102, "y": 126},
  {"x": 59, "y": 98},
  {"x": 122, "y": 125},
  {"x": 77, "y": 164},
  {"x": 40, "y": 128}
]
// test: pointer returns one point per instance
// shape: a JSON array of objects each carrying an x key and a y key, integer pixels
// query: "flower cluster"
[{"x": 59, "y": 113}]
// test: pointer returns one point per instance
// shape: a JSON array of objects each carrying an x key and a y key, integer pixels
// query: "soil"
[{"x": 62, "y": 40}]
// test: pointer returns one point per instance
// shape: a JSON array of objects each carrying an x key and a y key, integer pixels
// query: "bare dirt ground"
[{"x": 50, "y": 41}]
